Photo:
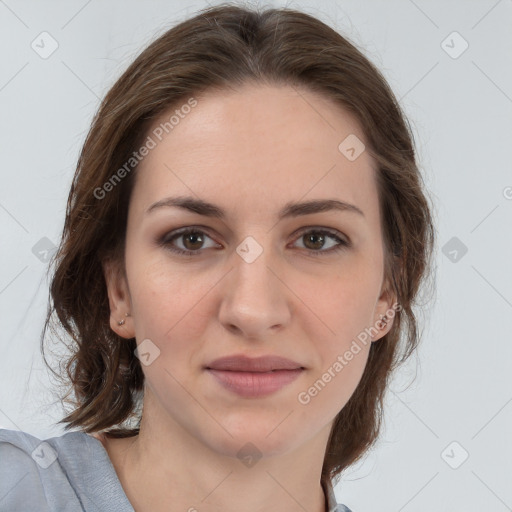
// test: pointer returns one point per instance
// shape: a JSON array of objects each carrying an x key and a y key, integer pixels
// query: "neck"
[{"x": 167, "y": 469}]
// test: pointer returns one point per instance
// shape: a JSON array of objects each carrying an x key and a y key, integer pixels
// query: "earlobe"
[
  {"x": 383, "y": 325},
  {"x": 385, "y": 314},
  {"x": 119, "y": 299}
]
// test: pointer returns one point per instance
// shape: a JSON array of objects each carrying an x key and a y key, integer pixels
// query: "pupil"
[
  {"x": 192, "y": 236},
  {"x": 319, "y": 238}
]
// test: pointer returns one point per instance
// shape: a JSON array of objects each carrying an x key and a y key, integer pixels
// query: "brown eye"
[
  {"x": 192, "y": 241},
  {"x": 315, "y": 241}
]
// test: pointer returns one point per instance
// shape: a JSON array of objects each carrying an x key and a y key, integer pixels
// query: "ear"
[
  {"x": 385, "y": 311},
  {"x": 119, "y": 299}
]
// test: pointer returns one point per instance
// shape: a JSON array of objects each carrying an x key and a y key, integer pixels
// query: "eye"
[
  {"x": 193, "y": 238},
  {"x": 315, "y": 240}
]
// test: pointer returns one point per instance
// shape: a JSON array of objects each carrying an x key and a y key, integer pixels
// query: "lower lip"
[{"x": 255, "y": 384}]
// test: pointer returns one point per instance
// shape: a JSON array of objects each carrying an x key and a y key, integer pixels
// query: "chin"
[{"x": 264, "y": 435}]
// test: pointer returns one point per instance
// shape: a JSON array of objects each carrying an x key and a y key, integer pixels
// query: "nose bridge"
[
  {"x": 252, "y": 272},
  {"x": 254, "y": 299}
]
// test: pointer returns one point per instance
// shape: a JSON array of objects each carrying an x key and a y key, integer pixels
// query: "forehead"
[{"x": 255, "y": 149}]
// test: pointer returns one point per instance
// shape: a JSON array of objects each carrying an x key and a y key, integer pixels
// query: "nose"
[{"x": 256, "y": 300}]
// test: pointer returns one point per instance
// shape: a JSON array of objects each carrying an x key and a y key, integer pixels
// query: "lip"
[
  {"x": 242, "y": 363},
  {"x": 254, "y": 377}
]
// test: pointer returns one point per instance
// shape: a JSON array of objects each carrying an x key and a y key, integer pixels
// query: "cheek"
[
  {"x": 345, "y": 303},
  {"x": 169, "y": 305},
  {"x": 342, "y": 353},
  {"x": 328, "y": 391}
]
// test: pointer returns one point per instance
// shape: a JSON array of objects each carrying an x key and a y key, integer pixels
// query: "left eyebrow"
[{"x": 290, "y": 209}]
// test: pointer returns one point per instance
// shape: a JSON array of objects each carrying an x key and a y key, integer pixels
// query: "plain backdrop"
[{"x": 446, "y": 443}]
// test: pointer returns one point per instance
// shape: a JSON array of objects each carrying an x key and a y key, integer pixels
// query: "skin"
[{"x": 248, "y": 151}]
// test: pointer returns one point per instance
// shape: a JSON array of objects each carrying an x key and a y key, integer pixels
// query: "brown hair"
[{"x": 224, "y": 47}]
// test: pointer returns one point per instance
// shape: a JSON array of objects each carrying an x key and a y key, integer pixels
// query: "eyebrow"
[{"x": 290, "y": 209}]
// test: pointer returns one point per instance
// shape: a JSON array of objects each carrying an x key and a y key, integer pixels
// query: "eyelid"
[
  {"x": 174, "y": 234},
  {"x": 321, "y": 229},
  {"x": 343, "y": 240}
]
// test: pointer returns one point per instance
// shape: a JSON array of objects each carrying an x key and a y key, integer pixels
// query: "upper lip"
[{"x": 243, "y": 363}]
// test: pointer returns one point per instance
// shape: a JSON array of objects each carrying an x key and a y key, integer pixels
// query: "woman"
[{"x": 244, "y": 238}]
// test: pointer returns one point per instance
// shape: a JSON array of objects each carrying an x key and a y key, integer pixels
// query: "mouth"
[
  {"x": 255, "y": 384},
  {"x": 254, "y": 377},
  {"x": 263, "y": 364}
]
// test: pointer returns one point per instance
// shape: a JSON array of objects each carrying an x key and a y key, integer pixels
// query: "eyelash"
[{"x": 166, "y": 241}]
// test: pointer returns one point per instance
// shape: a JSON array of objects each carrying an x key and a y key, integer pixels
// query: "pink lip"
[
  {"x": 254, "y": 377},
  {"x": 254, "y": 384}
]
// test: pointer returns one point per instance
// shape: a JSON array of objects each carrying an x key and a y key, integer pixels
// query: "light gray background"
[{"x": 460, "y": 109}]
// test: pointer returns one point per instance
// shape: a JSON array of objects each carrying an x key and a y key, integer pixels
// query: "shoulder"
[
  {"x": 23, "y": 450},
  {"x": 66, "y": 473},
  {"x": 22, "y": 455},
  {"x": 31, "y": 477},
  {"x": 21, "y": 487},
  {"x": 56, "y": 474}
]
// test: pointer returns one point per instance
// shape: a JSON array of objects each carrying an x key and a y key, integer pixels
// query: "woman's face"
[{"x": 258, "y": 282}]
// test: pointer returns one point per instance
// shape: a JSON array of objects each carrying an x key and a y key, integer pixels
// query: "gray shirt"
[{"x": 68, "y": 473}]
